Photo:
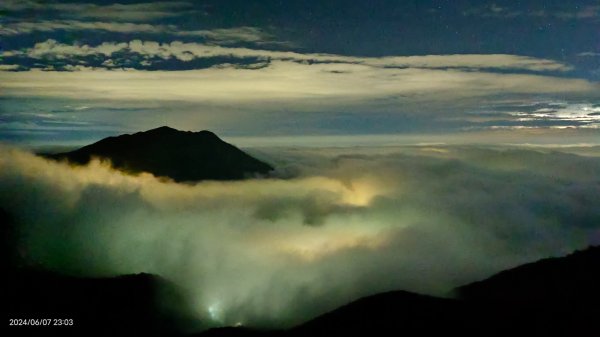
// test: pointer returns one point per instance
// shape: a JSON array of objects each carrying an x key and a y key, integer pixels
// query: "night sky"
[{"x": 72, "y": 71}]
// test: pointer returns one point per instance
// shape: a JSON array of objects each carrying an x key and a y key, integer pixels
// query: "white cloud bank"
[
  {"x": 443, "y": 88},
  {"x": 276, "y": 252},
  {"x": 289, "y": 77},
  {"x": 325, "y": 84}
]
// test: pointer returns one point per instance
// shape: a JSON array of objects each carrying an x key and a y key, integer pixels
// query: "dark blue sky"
[{"x": 248, "y": 68}]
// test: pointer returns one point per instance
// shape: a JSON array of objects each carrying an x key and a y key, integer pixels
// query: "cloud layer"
[
  {"x": 143, "y": 11},
  {"x": 426, "y": 92},
  {"x": 189, "y": 51},
  {"x": 282, "y": 81},
  {"x": 349, "y": 223},
  {"x": 587, "y": 12},
  {"x": 222, "y": 36}
]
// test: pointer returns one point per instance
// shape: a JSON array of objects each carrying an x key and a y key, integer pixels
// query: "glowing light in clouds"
[{"x": 360, "y": 193}]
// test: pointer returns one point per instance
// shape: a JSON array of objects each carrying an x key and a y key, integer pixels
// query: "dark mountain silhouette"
[
  {"x": 7, "y": 235},
  {"x": 239, "y": 332},
  {"x": 127, "y": 305},
  {"x": 551, "y": 297},
  {"x": 396, "y": 313},
  {"x": 574, "y": 278},
  {"x": 166, "y": 152},
  {"x": 389, "y": 314}
]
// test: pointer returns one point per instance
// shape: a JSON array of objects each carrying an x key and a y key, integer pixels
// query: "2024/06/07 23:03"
[{"x": 40, "y": 322}]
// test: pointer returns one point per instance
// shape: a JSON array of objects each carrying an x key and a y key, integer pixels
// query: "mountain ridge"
[
  {"x": 567, "y": 278},
  {"x": 182, "y": 156}
]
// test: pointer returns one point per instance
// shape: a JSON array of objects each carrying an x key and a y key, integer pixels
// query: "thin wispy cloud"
[
  {"x": 73, "y": 25},
  {"x": 233, "y": 35},
  {"x": 219, "y": 36},
  {"x": 567, "y": 12},
  {"x": 589, "y": 54},
  {"x": 145, "y": 11}
]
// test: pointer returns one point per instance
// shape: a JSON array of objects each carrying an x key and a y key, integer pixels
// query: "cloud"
[
  {"x": 586, "y": 114},
  {"x": 9, "y": 67},
  {"x": 222, "y": 36},
  {"x": 550, "y": 113},
  {"x": 121, "y": 18},
  {"x": 232, "y": 35},
  {"x": 53, "y": 49},
  {"x": 586, "y": 12},
  {"x": 284, "y": 77},
  {"x": 351, "y": 222},
  {"x": 392, "y": 93},
  {"x": 590, "y": 12},
  {"x": 120, "y": 12},
  {"x": 24, "y": 27},
  {"x": 189, "y": 51},
  {"x": 326, "y": 84},
  {"x": 588, "y": 54},
  {"x": 492, "y": 10}
]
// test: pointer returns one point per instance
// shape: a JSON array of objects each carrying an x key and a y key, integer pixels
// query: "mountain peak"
[
  {"x": 167, "y": 130},
  {"x": 163, "y": 128},
  {"x": 167, "y": 152}
]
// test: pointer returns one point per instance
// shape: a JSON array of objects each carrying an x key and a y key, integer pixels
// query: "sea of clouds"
[{"x": 330, "y": 225}]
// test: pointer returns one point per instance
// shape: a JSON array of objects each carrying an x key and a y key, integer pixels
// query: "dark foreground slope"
[
  {"x": 390, "y": 314},
  {"x": 552, "y": 297},
  {"x": 166, "y": 152},
  {"x": 130, "y": 305},
  {"x": 574, "y": 278}
]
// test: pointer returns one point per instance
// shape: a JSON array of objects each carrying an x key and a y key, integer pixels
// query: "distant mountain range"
[{"x": 166, "y": 152}]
